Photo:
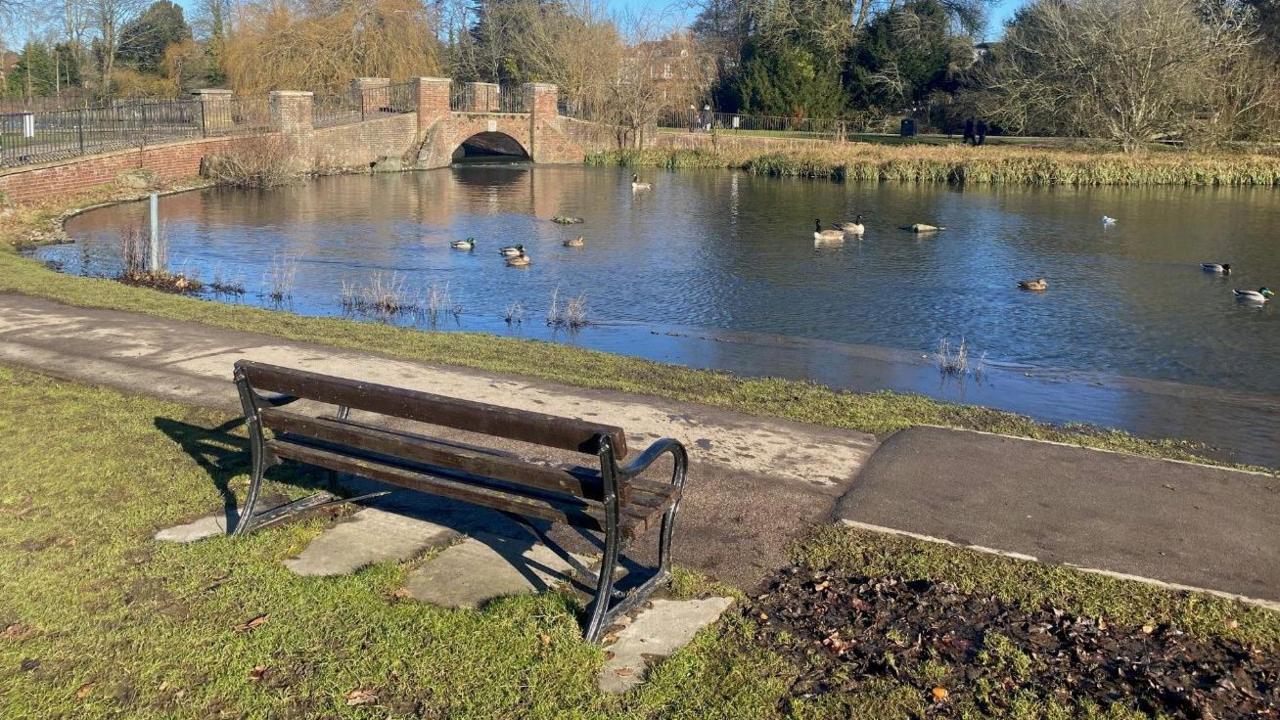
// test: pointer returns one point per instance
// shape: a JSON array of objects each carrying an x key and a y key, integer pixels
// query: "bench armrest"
[
  {"x": 277, "y": 400},
  {"x": 655, "y": 451}
]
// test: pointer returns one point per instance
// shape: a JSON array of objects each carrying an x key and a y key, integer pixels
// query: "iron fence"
[
  {"x": 487, "y": 98},
  {"x": 330, "y": 110}
]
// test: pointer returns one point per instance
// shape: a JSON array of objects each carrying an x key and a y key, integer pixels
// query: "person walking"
[
  {"x": 968, "y": 131},
  {"x": 982, "y": 131}
]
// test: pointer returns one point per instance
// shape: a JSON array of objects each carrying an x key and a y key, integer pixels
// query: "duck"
[
  {"x": 922, "y": 228},
  {"x": 511, "y": 251},
  {"x": 637, "y": 185},
  {"x": 575, "y": 242},
  {"x": 853, "y": 228},
  {"x": 1258, "y": 296},
  {"x": 520, "y": 260},
  {"x": 1037, "y": 285},
  {"x": 1108, "y": 220},
  {"x": 468, "y": 244},
  {"x": 1216, "y": 268},
  {"x": 820, "y": 235}
]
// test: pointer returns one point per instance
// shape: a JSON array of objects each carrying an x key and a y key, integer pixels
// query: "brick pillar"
[
  {"x": 370, "y": 93},
  {"x": 291, "y": 111},
  {"x": 215, "y": 109},
  {"x": 540, "y": 101},
  {"x": 432, "y": 100},
  {"x": 482, "y": 97}
]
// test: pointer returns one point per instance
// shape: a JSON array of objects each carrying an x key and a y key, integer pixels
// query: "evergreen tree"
[
  {"x": 786, "y": 80},
  {"x": 905, "y": 55},
  {"x": 143, "y": 40}
]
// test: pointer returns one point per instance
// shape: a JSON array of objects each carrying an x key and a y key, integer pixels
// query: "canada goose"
[
  {"x": 1037, "y": 285},
  {"x": 468, "y": 244},
  {"x": 637, "y": 185},
  {"x": 1108, "y": 221},
  {"x": 575, "y": 242},
  {"x": 1215, "y": 268},
  {"x": 853, "y": 228},
  {"x": 520, "y": 260},
  {"x": 922, "y": 228},
  {"x": 511, "y": 251},
  {"x": 820, "y": 235},
  {"x": 1257, "y": 297}
]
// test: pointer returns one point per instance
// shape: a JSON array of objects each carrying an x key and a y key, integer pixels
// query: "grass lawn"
[
  {"x": 879, "y": 412},
  {"x": 99, "y": 621}
]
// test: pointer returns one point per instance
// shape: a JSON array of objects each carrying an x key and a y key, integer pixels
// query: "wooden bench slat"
[
  {"x": 422, "y": 449},
  {"x": 522, "y": 425}
]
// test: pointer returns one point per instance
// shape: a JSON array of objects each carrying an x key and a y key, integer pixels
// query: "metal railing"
[
  {"x": 706, "y": 121},
  {"x": 389, "y": 100},
  {"x": 487, "y": 98},
  {"x": 330, "y": 110}
]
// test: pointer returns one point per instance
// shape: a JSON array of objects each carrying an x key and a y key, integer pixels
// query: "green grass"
[
  {"x": 878, "y": 412},
  {"x": 100, "y": 621}
]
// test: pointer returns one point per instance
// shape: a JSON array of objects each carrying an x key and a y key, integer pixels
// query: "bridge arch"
[{"x": 491, "y": 143}]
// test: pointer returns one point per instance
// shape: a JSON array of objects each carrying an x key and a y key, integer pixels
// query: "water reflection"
[{"x": 733, "y": 253}]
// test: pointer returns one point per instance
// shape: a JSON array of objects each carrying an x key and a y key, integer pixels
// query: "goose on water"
[
  {"x": 1108, "y": 220},
  {"x": 820, "y": 235},
  {"x": 852, "y": 228},
  {"x": 1037, "y": 285},
  {"x": 520, "y": 260},
  {"x": 637, "y": 185},
  {"x": 922, "y": 228},
  {"x": 575, "y": 242},
  {"x": 468, "y": 244}
]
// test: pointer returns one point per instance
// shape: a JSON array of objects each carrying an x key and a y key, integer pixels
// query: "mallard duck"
[
  {"x": 520, "y": 260},
  {"x": 1037, "y": 285},
  {"x": 566, "y": 220},
  {"x": 1258, "y": 296},
  {"x": 511, "y": 250},
  {"x": 852, "y": 228},
  {"x": 1215, "y": 268},
  {"x": 468, "y": 244},
  {"x": 1108, "y": 220},
  {"x": 922, "y": 228},
  {"x": 637, "y": 185},
  {"x": 575, "y": 242},
  {"x": 820, "y": 235}
]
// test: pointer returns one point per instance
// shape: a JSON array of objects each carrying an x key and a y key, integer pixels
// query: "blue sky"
[{"x": 1001, "y": 10}]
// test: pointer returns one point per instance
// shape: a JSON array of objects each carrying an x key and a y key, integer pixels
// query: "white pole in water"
[{"x": 154, "y": 260}]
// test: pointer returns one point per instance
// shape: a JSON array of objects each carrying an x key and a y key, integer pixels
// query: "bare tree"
[
  {"x": 1134, "y": 71},
  {"x": 108, "y": 18}
]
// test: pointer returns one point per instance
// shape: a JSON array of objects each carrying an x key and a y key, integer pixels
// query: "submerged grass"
[
  {"x": 958, "y": 164},
  {"x": 101, "y": 621},
  {"x": 878, "y": 412}
]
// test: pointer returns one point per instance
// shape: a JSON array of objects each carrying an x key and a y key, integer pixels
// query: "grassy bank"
[
  {"x": 957, "y": 164},
  {"x": 100, "y": 621}
]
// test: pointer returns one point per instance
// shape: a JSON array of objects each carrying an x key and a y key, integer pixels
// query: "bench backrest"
[{"x": 530, "y": 427}]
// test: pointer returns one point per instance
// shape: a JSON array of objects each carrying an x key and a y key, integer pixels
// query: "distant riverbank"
[{"x": 956, "y": 165}]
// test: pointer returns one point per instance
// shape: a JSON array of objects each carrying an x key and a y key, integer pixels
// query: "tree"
[
  {"x": 1134, "y": 71},
  {"x": 784, "y": 80},
  {"x": 904, "y": 55},
  {"x": 108, "y": 18},
  {"x": 143, "y": 40}
]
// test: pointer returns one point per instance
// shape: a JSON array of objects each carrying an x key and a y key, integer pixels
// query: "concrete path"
[
  {"x": 754, "y": 484},
  {"x": 1176, "y": 522}
]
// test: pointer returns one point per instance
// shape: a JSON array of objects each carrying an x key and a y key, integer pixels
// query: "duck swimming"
[
  {"x": 575, "y": 242},
  {"x": 1258, "y": 297},
  {"x": 1215, "y": 268},
  {"x": 820, "y": 235},
  {"x": 511, "y": 251},
  {"x": 468, "y": 244},
  {"x": 1108, "y": 220},
  {"x": 852, "y": 228},
  {"x": 1037, "y": 285},
  {"x": 520, "y": 260}
]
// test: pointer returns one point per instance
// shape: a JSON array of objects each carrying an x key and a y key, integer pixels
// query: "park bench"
[{"x": 610, "y": 497}]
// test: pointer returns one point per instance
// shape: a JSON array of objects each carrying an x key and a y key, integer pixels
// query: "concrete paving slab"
[
  {"x": 1181, "y": 523},
  {"x": 655, "y": 633},
  {"x": 484, "y": 567},
  {"x": 199, "y": 529},
  {"x": 369, "y": 536}
]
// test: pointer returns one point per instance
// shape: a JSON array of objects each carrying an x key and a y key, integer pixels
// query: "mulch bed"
[{"x": 846, "y": 630}]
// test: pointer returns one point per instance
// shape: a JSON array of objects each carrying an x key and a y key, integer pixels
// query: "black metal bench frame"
[{"x": 616, "y": 501}]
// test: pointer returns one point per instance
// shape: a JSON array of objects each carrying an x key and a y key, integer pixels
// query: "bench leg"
[
  {"x": 257, "y": 454},
  {"x": 599, "y": 614}
]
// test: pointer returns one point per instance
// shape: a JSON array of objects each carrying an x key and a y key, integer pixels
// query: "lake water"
[{"x": 719, "y": 269}]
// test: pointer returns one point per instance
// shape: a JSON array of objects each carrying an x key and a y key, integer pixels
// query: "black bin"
[{"x": 908, "y": 128}]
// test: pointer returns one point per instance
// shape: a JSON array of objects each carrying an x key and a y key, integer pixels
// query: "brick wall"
[
  {"x": 356, "y": 146},
  {"x": 171, "y": 161}
]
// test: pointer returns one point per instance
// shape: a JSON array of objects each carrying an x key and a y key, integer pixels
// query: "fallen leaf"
[
  {"x": 545, "y": 638},
  {"x": 401, "y": 593},
  {"x": 84, "y": 691},
  {"x": 254, "y": 623},
  {"x": 1232, "y": 624},
  {"x": 625, "y": 671},
  {"x": 257, "y": 673},
  {"x": 940, "y": 694},
  {"x": 360, "y": 696},
  {"x": 16, "y": 631},
  {"x": 1148, "y": 629}
]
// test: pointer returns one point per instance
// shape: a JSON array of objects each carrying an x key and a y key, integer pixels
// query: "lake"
[{"x": 719, "y": 269}]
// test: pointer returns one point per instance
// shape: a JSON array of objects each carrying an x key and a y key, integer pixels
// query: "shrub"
[{"x": 262, "y": 161}]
